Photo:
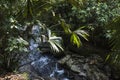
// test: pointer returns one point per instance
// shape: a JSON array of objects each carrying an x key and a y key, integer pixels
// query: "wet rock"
[
  {"x": 85, "y": 68},
  {"x": 63, "y": 60},
  {"x": 75, "y": 68},
  {"x": 38, "y": 64}
]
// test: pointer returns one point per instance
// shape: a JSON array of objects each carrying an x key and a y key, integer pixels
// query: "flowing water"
[{"x": 44, "y": 65}]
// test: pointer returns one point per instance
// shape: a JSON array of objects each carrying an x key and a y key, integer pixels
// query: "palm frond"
[
  {"x": 66, "y": 27},
  {"x": 114, "y": 56},
  {"x": 76, "y": 34},
  {"x": 115, "y": 26},
  {"x": 55, "y": 42},
  {"x": 75, "y": 40},
  {"x": 82, "y": 33},
  {"x": 55, "y": 45}
]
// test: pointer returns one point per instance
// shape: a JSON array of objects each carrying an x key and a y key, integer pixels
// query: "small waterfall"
[{"x": 44, "y": 65}]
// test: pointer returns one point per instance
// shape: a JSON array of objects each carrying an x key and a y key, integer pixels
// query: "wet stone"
[{"x": 86, "y": 68}]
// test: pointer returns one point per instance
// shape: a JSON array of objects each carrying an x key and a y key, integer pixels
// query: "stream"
[{"x": 44, "y": 65}]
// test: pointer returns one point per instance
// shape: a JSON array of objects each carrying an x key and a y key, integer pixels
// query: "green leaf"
[
  {"x": 75, "y": 40},
  {"x": 65, "y": 26},
  {"x": 108, "y": 57},
  {"x": 82, "y": 33},
  {"x": 55, "y": 42}
]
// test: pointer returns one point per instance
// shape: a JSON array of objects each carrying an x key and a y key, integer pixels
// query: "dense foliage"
[{"x": 75, "y": 21}]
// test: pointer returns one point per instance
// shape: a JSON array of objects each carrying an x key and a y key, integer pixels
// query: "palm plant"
[
  {"x": 55, "y": 42},
  {"x": 19, "y": 12},
  {"x": 76, "y": 34},
  {"x": 115, "y": 54}
]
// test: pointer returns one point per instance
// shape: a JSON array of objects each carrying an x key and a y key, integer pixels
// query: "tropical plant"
[
  {"x": 55, "y": 42},
  {"x": 61, "y": 17},
  {"x": 74, "y": 35},
  {"x": 9, "y": 59},
  {"x": 93, "y": 14},
  {"x": 113, "y": 57},
  {"x": 113, "y": 26},
  {"x": 12, "y": 45}
]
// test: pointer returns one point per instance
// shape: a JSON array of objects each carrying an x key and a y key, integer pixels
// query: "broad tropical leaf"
[
  {"x": 55, "y": 42},
  {"x": 75, "y": 40},
  {"x": 82, "y": 33},
  {"x": 75, "y": 35}
]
